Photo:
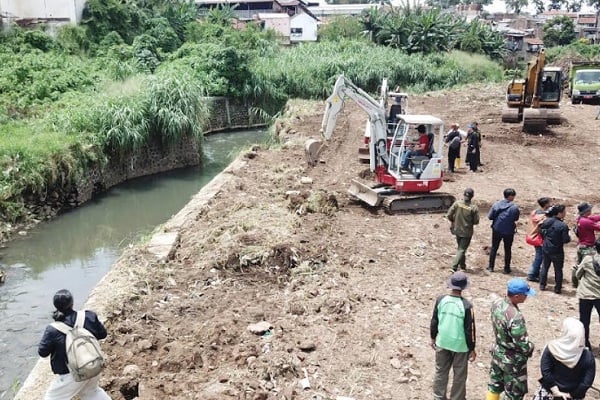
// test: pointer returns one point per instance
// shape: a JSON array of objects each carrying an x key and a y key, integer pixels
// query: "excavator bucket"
[
  {"x": 553, "y": 116},
  {"x": 364, "y": 193},
  {"x": 535, "y": 119},
  {"x": 312, "y": 149},
  {"x": 510, "y": 114}
]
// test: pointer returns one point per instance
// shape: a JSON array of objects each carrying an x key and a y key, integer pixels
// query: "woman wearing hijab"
[{"x": 568, "y": 367}]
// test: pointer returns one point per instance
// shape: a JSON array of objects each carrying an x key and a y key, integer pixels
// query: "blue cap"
[{"x": 519, "y": 286}]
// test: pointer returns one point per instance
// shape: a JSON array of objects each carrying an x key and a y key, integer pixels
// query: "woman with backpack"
[
  {"x": 555, "y": 234},
  {"x": 588, "y": 289},
  {"x": 53, "y": 343}
]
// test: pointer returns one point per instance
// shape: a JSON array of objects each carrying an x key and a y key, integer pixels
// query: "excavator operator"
[{"x": 421, "y": 148}]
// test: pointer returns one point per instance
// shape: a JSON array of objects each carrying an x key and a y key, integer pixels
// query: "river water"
[{"x": 78, "y": 248}]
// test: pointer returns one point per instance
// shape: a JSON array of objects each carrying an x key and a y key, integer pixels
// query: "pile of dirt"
[{"x": 283, "y": 277}]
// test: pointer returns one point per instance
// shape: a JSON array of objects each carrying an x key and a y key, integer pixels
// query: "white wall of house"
[
  {"x": 53, "y": 9},
  {"x": 303, "y": 28}
]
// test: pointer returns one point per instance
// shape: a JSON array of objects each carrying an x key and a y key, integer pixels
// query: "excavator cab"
[{"x": 535, "y": 99}]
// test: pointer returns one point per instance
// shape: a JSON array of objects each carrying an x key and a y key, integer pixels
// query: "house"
[
  {"x": 587, "y": 26},
  {"x": 25, "y": 12},
  {"x": 303, "y": 28},
  {"x": 291, "y": 18},
  {"x": 533, "y": 45}
]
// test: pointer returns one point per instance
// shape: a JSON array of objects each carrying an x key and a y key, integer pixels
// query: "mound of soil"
[{"x": 283, "y": 277}]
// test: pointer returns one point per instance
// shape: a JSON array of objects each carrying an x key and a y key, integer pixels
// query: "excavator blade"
[
  {"x": 511, "y": 115},
  {"x": 535, "y": 119},
  {"x": 312, "y": 150},
  {"x": 364, "y": 193}
]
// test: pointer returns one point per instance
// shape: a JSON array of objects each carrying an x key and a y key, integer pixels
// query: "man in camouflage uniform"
[
  {"x": 462, "y": 216},
  {"x": 508, "y": 370}
]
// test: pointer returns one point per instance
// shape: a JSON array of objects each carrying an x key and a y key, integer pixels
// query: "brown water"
[{"x": 78, "y": 248}]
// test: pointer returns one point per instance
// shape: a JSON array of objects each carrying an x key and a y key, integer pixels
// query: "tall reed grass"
[{"x": 309, "y": 70}]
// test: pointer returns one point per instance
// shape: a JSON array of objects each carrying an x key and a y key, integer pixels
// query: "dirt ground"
[{"x": 346, "y": 292}]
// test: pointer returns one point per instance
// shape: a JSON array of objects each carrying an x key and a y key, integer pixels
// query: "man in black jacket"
[
  {"x": 53, "y": 343},
  {"x": 556, "y": 234}
]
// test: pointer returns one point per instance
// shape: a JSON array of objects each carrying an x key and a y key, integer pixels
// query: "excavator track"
[{"x": 417, "y": 203}]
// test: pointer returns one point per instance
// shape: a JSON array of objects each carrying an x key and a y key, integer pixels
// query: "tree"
[
  {"x": 559, "y": 31},
  {"x": 556, "y": 4},
  {"x": 539, "y": 6},
  {"x": 516, "y": 5},
  {"x": 574, "y": 5},
  {"x": 595, "y": 4}
]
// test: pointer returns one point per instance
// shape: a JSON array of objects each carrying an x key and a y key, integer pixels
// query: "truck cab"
[{"x": 584, "y": 82}]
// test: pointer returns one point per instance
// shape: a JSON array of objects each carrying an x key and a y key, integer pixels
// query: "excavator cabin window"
[{"x": 550, "y": 86}]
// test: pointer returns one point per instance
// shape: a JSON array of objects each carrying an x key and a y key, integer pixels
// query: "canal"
[{"x": 79, "y": 247}]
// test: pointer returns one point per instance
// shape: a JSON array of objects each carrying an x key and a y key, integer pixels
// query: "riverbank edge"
[
  {"x": 225, "y": 115},
  {"x": 115, "y": 286}
]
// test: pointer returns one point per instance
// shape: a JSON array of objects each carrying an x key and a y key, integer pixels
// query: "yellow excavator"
[{"x": 535, "y": 99}]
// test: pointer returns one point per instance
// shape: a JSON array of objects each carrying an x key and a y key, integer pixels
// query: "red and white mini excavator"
[{"x": 398, "y": 189}]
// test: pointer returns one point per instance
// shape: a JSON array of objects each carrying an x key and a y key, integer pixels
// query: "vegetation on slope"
[{"x": 135, "y": 72}]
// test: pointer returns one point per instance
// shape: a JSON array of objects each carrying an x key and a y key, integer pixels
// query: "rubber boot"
[{"x": 492, "y": 396}]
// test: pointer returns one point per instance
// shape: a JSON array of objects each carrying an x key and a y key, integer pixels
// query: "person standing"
[
  {"x": 63, "y": 387},
  {"x": 504, "y": 214},
  {"x": 512, "y": 348},
  {"x": 453, "y": 139},
  {"x": 555, "y": 234},
  {"x": 475, "y": 128},
  {"x": 452, "y": 331},
  {"x": 536, "y": 218},
  {"x": 463, "y": 215},
  {"x": 588, "y": 289},
  {"x": 472, "y": 150},
  {"x": 587, "y": 226},
  {"x": 568, "y": 368}
]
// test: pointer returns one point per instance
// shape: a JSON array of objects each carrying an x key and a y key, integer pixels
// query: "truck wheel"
[{"x": 575, "y": 101}]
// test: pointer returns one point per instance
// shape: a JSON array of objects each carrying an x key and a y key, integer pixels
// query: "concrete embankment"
[{"x": 115, "y": 287}]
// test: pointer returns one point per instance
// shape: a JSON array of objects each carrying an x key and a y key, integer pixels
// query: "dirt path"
[{"x": 347, "y": 292}]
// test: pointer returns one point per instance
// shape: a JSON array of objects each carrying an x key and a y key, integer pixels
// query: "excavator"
[
  {"x": 398, "y": 189},
  {"x": 535, "y": 99}
]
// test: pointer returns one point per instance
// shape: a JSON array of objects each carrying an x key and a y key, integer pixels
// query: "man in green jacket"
[
  {"x": 463, "y": 216},
  {"x": 508, "y": 370},
  {"x": 452, "y": 332}
]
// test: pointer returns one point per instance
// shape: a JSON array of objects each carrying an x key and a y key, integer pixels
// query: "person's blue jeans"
[
  {"x": 407, "y": 155},
  {"x": 534, "y": 270}
]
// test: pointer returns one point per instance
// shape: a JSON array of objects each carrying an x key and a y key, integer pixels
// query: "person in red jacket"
[{"x": 587, "y": 226}]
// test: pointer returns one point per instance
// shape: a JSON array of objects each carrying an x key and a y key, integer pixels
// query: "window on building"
[{"x": 296, "y": 32}]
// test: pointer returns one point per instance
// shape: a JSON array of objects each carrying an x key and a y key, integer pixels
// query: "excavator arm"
[
  {"x": 343, "y": 89},
  {"x": 535, "y": 70}
]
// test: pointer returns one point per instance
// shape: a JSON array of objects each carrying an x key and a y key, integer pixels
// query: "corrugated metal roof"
[
  {"x": 586, "y": 20},
  {"x": 272, "y": 16},
  {"x": 534, "y": 41}
]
